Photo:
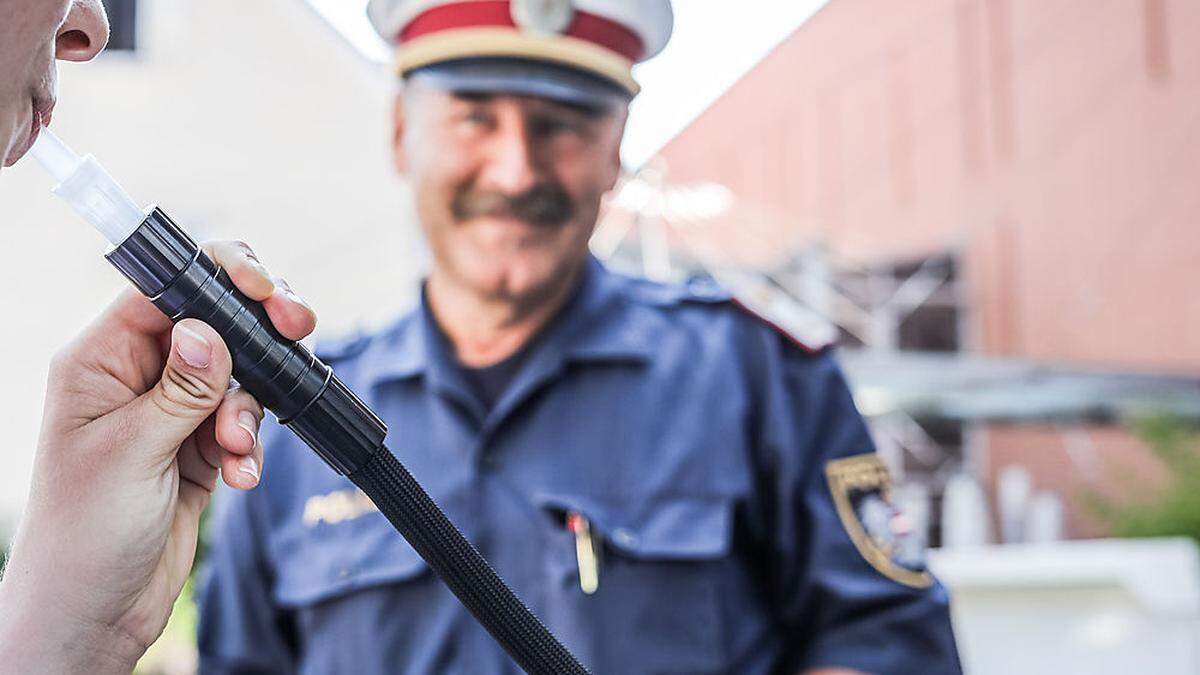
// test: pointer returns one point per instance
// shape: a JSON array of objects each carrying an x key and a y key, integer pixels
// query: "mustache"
[{"x": 547, "y": 204}]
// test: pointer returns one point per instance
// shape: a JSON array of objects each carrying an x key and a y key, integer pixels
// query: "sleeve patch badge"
[{"x": 861, "y": 489}]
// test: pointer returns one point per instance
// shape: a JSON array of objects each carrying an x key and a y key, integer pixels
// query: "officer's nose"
[
  {"x": 83, "y": 33},
  {"x": 511, "y": 160}
]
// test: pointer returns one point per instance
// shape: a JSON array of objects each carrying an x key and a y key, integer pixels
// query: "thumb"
[{"x": 192, "y": 385}]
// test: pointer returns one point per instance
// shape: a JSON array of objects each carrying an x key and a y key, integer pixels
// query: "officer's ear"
[
  {"x": 620, "y": 118},
  {"x": 399, "y": 118},
  {"x": 616, "y": 158}
]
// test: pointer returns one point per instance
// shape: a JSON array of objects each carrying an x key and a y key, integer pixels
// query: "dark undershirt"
[{"x": 490, "y": 382}]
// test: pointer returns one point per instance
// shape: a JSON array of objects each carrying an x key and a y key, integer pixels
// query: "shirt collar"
[{"x": 596, "y": 327}]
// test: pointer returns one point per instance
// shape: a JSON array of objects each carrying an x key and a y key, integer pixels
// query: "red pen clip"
[{"x": 585, "y": 552}]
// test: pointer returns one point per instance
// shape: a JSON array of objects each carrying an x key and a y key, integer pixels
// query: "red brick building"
[{"x": 1050, "y": 149}]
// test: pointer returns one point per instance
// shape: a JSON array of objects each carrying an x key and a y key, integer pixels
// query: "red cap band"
[{"x": 497, "y": 14}]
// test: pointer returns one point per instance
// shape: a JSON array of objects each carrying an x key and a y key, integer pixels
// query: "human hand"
[{"x": 139, "y": 421}]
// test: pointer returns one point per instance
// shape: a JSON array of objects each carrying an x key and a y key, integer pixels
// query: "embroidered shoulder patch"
[{"x": 861, "y": 489}]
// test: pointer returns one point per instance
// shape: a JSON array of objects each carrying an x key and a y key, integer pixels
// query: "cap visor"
[{"x": 522, "y": 77}]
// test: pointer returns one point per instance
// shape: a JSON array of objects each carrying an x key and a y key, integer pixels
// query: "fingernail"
[
  {"x": 192, "y": 347},
  {"x": 250, "y": 254},
  {"x": 287, "y": 290},
  {"x": 262, "y": 272},
  {"x": 248, "y": 466},
  {"x": 247, "y": 421}
]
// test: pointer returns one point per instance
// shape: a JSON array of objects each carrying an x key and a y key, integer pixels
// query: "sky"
[{"x": 714, "y": 44}]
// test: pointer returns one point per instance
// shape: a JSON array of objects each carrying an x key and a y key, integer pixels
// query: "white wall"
[
  {"x": 1101, "y": 607},
  {"x": 244, "y": 119}
]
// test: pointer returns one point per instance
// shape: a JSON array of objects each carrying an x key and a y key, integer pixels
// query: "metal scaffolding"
[{"x": 901, "y": 328}]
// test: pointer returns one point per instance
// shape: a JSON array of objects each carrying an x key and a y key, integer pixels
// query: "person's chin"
[
  {"x": 512, "y": 274},
  {"x": 8, "y": 145},
  {"x": 21, "y": 140},
  {"x": 509, "y": 276},
  {"x": 512, "y": 258}
]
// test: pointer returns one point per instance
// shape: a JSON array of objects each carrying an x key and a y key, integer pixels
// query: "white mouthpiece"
[
  {"x": 54, "y": 156},
  {"x": 88, "y": 189}
]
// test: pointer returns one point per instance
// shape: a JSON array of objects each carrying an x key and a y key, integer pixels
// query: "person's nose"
[
  {"x": 511, "y": 163},
  {"x": 83, "y": 33}
]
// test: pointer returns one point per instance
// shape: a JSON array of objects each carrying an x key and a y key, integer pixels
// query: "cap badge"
[{"x": 549, "y": 17}]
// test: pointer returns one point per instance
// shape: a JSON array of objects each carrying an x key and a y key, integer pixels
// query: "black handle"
[{"x": 286, "y": 378}]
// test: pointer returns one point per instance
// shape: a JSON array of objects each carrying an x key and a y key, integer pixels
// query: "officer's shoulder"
[
  {"x": 348, "y": 345},
  {"x": 704, "y": 304},
  {"x": 342, "y": 347}
]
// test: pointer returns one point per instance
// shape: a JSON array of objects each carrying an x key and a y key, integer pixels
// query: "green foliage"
[
  {"x": 175, "y": 651},
  {"x": 1171, "y": 509}
]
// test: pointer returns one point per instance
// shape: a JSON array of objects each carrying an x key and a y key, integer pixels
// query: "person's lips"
[{"x": 41, "y": 110}]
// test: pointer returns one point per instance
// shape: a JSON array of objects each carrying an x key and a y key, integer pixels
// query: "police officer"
[{"x": 672, "y": 485}]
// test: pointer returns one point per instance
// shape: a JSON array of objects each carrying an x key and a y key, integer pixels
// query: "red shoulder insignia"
[
  {"x": 802, "y": 328},
  {"x": 767, "y": 303}
]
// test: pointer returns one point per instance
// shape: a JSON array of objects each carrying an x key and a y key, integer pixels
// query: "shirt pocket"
[
  {"x": 360, "y": 600},
  {"x": 326, "y": 562},
  {"x": 657, "y": 607}
]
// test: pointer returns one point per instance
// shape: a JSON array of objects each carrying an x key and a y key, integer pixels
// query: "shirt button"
[
  {"x": 624, "y": 537},
  {"x": 703, "y": 287},
  {"x": 345, "y": 573}
]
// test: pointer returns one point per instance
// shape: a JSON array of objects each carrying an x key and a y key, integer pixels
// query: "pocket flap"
[
  {"x": 337, "y": 560},
  {"x": 668, "y": 528}
]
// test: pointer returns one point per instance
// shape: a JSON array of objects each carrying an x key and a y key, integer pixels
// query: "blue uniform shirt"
[{"x": 722, "y": 470}]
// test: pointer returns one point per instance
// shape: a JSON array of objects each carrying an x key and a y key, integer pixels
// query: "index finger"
[
  {"x": 290, "y": 315},
  {"x": 243, "y": 267}
]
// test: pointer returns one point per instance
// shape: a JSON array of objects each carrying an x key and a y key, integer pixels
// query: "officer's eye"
[
  {"x": 480, "y": 116},
  {"x": 549, "y": 126}
]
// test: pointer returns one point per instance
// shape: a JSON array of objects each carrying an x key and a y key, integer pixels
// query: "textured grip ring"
[{"x": 286, "y": 378}]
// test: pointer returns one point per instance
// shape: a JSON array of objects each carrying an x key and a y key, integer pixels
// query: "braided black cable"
[{"x": 468, "y": 575}]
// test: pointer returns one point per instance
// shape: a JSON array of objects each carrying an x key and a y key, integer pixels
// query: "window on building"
[
  {"x": 122, "y": 17},
  {"x": 930, "y": 328},
  {"x": 909, "y": 305}
]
